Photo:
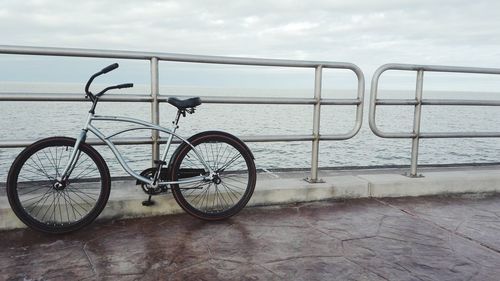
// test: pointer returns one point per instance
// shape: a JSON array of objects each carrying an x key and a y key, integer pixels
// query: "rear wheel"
[
  {"x": 229, "y": 191},
  {"x": 45, "y": 204}
]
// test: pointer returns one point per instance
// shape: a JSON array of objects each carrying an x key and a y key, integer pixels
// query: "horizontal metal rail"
[
  {"x": 143, "y": 140},
  {"x": 71, "y": 97},
  {"x": 155, "y": 98},
  {"x": 147, "y": 98},
  {"x": 438, "y": 102},
  {"x": 74, "y": 52},
  {"x": 418, "y": 102}
]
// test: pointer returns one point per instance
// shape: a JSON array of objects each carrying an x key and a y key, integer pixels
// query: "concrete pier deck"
[{"x": 412, "y": 238}]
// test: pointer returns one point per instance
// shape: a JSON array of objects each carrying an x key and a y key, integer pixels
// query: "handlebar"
[
  {"x": 121, "y": 86},
  {"x": 109, "y": 68},
  {"x": 104, "y": 71},
  {"x": 126, "y": 85}
]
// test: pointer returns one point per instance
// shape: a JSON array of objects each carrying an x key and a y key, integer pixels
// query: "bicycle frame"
[{"x": 142, "y": 125}]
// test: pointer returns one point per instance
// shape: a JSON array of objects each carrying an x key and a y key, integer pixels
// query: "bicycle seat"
[{"x": 183, "y": 104}]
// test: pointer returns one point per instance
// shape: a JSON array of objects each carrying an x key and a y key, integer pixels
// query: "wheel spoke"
[
  {"x": 42, "y": 168},
  {"x": 230, "y": 162},
  {"x": 45, "y": 197}
]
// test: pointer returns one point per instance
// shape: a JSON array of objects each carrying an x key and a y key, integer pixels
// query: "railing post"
[
  {"x": 316, "y": 122},
  {"x": 416, "y": 124},
  {"x": 155, "y": 109}
]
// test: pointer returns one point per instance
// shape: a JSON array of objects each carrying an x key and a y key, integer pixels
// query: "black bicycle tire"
[
  {"x": 184, "y": 149},
  {"x": 17, "y": 165}
]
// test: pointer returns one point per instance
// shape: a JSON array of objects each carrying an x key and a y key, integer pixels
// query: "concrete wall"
[{"x": 287, "y": 187}]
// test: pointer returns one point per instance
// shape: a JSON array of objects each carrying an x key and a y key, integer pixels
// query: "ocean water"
[{"x": 35, "y": 120}]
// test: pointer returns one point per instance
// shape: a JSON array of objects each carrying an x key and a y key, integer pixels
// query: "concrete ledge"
[
  {"x": 287, "y": 190},
  {"x": 433, "y": 183},
  {"x": 287, "y": 187}
]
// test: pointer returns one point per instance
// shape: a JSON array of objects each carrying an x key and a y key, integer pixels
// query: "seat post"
[
  {"x": 177, "y": 118},
  {"x": 170, "y": 138}
]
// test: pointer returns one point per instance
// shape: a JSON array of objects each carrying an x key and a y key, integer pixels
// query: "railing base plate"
[
  {"x": 406, "y": 174},
  {"x": 309, "y": 180}
]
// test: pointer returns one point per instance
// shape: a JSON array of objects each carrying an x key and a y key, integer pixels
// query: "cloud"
[{"x": 368, "y": 33}]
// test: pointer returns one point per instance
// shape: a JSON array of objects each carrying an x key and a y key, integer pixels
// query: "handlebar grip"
[
  {"x": 109, "y": 68},
  {"x": 126, "y": 85}
]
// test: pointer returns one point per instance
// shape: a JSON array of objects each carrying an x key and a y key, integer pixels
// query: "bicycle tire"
[
  {"x": 222, "y": 151},
  {"x": 31, "y": 191}
]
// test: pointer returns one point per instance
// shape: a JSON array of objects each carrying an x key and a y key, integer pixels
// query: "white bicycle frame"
[{"x": 142, "y": 125}]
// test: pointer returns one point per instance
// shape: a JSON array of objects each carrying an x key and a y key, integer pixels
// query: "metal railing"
[
  {"x": 155, "y": 98},
  {"x": 416, "y": 135}
]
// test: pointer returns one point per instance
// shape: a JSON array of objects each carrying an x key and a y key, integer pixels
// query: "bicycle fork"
[{"x": 75, "y": 154}]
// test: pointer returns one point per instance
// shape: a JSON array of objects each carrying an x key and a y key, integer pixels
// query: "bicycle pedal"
[{"x": 148, "y": 203}]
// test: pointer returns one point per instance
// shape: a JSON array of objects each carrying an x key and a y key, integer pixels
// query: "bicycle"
[{"x": 61, "y": 184}]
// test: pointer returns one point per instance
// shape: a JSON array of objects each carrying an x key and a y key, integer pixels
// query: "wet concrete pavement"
[{"x": 424, "y": 238}]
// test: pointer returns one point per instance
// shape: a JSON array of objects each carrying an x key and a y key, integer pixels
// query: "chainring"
[{"x": 149, "y": 173}]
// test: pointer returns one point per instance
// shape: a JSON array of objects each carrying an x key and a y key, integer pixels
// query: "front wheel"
[
  {"x": 229, "y": 191},
  {"x": 45, "y": 204}
]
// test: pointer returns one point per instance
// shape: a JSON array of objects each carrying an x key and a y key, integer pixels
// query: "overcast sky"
[{"x": 367, "y": 33}]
